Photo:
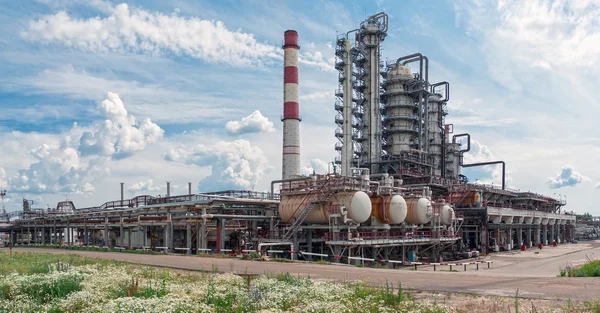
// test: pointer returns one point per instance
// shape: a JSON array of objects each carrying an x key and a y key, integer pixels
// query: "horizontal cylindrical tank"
[
  {"x": 389, "y": 209},
  {"x": 357, "y": 204},
  {"x": 419, "y": 212},
  {"x": 446, "y": 215},
  {"x": 473, "y": 198}
]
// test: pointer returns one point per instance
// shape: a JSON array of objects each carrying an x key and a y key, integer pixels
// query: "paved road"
[{"x": 534, "y": 287}]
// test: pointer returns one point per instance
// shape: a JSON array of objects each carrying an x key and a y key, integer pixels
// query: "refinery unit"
[{"x": 395, "y": 194}]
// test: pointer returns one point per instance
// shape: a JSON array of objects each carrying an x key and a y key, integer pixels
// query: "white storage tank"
[
  {"x": 357, "y": 204},
  {"x": 389, "y": 209},
  {"x": 446, "y": 215},
  {"x": 419, "y": 212}
]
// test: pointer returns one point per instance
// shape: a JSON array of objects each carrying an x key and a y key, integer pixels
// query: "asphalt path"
[{"x": 502, "y": 281}]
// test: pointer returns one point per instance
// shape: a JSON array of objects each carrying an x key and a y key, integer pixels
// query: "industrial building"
[{"x": 395, "y": 194}]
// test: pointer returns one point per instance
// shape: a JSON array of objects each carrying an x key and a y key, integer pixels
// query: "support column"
[
  {"x": 202, "y": 235},
  {"x": 538, "y": 238},
  {"x": 309, "y": 235},
  {"x": 86, "y": 239},
  {"x": 129, "y": 238},
  {"x": 485, "y": 242},
  {"x": 296, "y": 247},
  {"x": 188, "y": 237},
  {"x": 144, "y": 230},
  {"x": 220, "y": 242},
  {"x": 510, "y": 239},
  {"x": 121, "y": 234},
  {"x": 528, "y": 236},
  {"x": 552, "y": 238},
  {"x": 519, "y": 237},
  {"x": 106, "y": 232}
]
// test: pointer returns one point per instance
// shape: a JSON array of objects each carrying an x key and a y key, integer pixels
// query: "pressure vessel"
[
  {"x": 356, "y": 203},
  {"x": 419, "y": 212},
  {"x": 389, "y": 209}
]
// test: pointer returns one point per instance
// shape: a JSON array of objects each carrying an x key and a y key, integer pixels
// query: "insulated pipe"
[
  {"x": 413, "y": 58},
  {"x": 447, "y": 93},
  {"x": 379, "y": 15},
  {"x": 238, "y": 217}
]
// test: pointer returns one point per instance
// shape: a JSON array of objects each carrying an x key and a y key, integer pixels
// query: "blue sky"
[{"x": 94, "y": 93}]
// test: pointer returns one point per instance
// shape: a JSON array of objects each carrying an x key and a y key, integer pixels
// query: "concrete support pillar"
[
  {"x": 202, "y": 236},
  {"x": 171, "y": 236},
  {"x": 528, "y": 236},
  {"x": 220, "y": 235},
  {"x": 309, "y": 237},
  {"x": 106, "y": 243},
  {"x": 129, "y": 238},
  {"x": 552, "y": 238},
  {"x": 188, "y": 237},
  {"x": 538, "y": 238},
  {"x": 144, "y": 230},
  {"x": 121, "y": 234},
  {"x": 519, "y": 241},
  {"x": 485, "y": 241},
  {"x": 510, "y": 241},
  {"x": 52, "y": 233},
  {"x": 545, "y": 234},
  {"x": 86, "y": 237},
  {"x": 296, "y": 247}
]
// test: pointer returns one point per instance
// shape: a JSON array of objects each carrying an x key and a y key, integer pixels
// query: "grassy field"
[
  {"x": 590, "y": 269},
  {"x": 36, "y": 282},
  {"x": 40, "y": 282}
]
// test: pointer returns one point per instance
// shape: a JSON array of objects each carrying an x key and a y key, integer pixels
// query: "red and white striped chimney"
[{"x": 291, "y": 111}]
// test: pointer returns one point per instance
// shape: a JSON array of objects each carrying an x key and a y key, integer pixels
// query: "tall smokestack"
[
  {"x": 168, "y": 189},
  {"x": 190, "y": 188},
  {"x": 122, "y": 194},
  {"x": 291, "y": 111}
]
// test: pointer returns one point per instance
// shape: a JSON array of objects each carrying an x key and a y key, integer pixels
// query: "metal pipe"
[
  {"x": 168, "y": 189},
  {"x": 447, "y": 93},
  {"x": 490, "y": 163},
  {"x": 239, "y": 217},
  {"x": 468, "y": 142},
  {"x": 190, "y": 188},
  {"x": 284, "y": 181},
  {"x": 122, "y": 193}
]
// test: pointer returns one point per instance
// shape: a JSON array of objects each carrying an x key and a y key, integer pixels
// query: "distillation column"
[
  {"x": 370, "y": 36},
  {"x": 348, "y": 146},
  {"x": 291, "y": 111}
]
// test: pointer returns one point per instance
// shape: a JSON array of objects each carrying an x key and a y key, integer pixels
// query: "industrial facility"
[{"x": 395, "y": 194}]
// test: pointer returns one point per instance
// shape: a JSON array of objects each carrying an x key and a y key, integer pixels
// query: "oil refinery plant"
[{"x": 395, "y": 194}]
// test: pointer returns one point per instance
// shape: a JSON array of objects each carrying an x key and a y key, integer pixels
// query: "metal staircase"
[{"x": 308, "y": 204}]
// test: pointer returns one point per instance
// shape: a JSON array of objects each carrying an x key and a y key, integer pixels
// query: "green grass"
[
  {"x": 84, "y": 248},
  {"x": 591, "y": 269},
  {"x": 38, "y": 263}
]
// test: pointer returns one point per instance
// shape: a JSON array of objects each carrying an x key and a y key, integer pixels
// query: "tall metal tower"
[
  {"x": 2, "y": 195},
  {"x": 359, "y": 105}
]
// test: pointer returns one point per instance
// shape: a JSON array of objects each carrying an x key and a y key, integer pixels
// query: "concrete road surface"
[{"x": 535, "y": 278}]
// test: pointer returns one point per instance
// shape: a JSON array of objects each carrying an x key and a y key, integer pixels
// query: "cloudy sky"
[{"x": 93, "y": 93}]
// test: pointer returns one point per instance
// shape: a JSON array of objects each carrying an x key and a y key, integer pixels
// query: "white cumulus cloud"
[
  {"x": 234, "y": 164},
  {"x": 84, "y": 156},
  {"x": 597, "y": 185},
  {"x": 3, "y": 179},
  {"x": 316, "y": 165},
  {"x": 567, "y": 177},
  {"x": 253, "y": 123},
  {"x": 145, "y": 185},
  {"x": 127, "y": 29},
  {"x": 119, "y": 136}
]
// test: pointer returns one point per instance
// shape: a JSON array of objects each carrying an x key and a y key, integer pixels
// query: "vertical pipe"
[
  {"x": 190, "y": 188},
  {"x": 168, "y": 189},
  {"x": 291, "y": 108},
  {"x": 122, "y": 194}
]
